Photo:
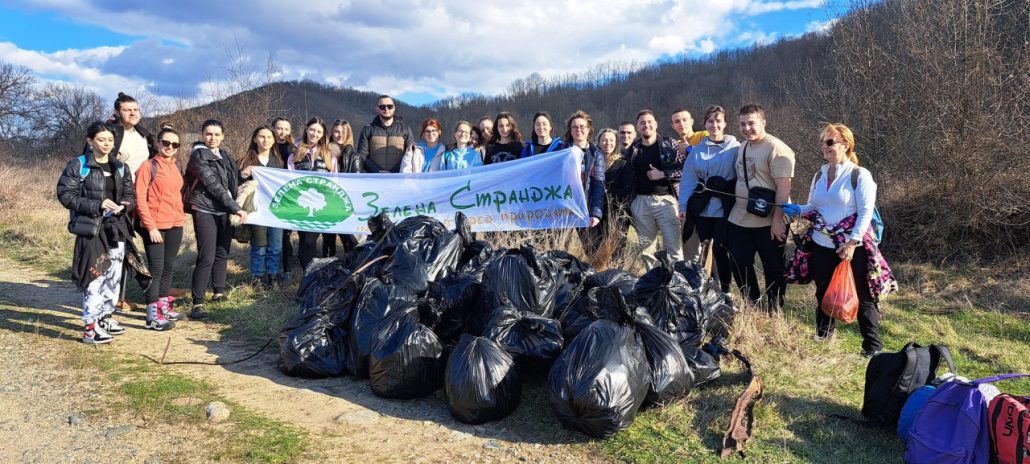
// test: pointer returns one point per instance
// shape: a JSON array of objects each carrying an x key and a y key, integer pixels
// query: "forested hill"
[{"x": 936, "y": 91}]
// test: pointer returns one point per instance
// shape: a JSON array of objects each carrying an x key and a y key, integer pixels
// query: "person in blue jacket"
[
  {"x": 463, "y": 155},
  {"x": 543, "y": 139}
]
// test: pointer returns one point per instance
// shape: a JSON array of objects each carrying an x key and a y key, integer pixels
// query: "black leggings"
[
  {"x": 214, "y": 237},
  {"x": 287, "y": 250},
  {"x": 821, "y": 263},
  {"x": 715, "y": 229},
  {"x": 743, "y": 243},
  {"x": 161, "y": 261}
]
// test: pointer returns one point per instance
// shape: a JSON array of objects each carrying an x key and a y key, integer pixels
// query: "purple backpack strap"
[{"x": 998, "y": 378}]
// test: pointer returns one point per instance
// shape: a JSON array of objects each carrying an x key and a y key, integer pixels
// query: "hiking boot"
[
  {"x": 218, "y": 297},
  {"x": 198, "y": 313},
  {"x": 160, "y": 323},
  {"x": 166, "y": 309},
  {"x": 92, "y": 333},
  {"x": 111, "y": 326}
]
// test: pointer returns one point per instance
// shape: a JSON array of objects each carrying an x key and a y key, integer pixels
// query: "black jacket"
[
  {"x": 618, "y": 181},
  {"x": 382, "y": 147},
  {"x": 671, "y": 162},
  {"x": 81, "y": 190},
  {"x": 347, "y": 159},
  {"x": 216, "y": 181},
  {"x": 119, "y": 134}
]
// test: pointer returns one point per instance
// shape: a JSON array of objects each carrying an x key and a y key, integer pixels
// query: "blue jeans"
[{"x": 266, "y": 259}]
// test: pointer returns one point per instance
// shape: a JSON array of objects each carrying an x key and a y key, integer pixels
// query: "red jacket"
[{"x": 159, "y": 198}]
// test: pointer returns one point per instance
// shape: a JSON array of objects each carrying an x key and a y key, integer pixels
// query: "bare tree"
[
  {"x": 61, "y": 114},
  {"x": 15, "y": 98}
]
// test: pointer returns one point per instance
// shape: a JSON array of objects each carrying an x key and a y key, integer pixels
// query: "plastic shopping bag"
[{"x": 841, "y": 299}]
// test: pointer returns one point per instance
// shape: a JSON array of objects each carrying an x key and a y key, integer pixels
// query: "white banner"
[{"x": 539, "y": 192}]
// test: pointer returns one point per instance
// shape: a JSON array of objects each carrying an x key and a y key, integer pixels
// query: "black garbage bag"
[
  {"x": 664, "y": 293},
  {"x": 520, "y": 279},
  {"x": 574, "y": 268},
  {"x": 320, "y": 275},
  {"x": 617, "y": 278},
  {"x": 313, "y": 344},
  {"x": 375, "y": 303},
  {"x": 534, "y": 341},
  {"x": 596, "y": 304},
  {"x": 413, "y": 228},
  {"x": 600, "y": 380},
  {"x": 407, "y": 271},
  {"x": 481, "y": 381},
  {"x": 442, "y": 258},
  {"x": 671, "y": 375},
  {"x": 693, "y": 272},
  {"x": 706, "y": 315},
  {"x": 703, "y": 365},
  {"x": 379, "y": 225},
  {"x": 459, "y": 296},
  {"x": 463, "y": 228},
  {"x": 406, "y": 360},
  {"x": 475, "y": 257}
]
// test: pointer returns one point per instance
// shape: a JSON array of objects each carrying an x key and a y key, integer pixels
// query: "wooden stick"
[{"x": 166, "y": 350}]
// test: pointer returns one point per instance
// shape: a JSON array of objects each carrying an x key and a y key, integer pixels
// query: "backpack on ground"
[
  {"x": 876, "y": 224},
  {"x": 953, "y": 426},
  {"x": 891, "y": 377},
  {"x": 1010, "y": 428}
]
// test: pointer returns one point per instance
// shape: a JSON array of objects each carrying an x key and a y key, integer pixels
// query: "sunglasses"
[
  {"x": 385, "y": 107},
  {"x": 343, "y": 121},
  {"x": 166, "y": 144},
  {"x": 831, "y": 143}
]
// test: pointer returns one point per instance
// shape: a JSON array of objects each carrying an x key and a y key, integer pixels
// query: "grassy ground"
[{"x": 982, "y": 314}]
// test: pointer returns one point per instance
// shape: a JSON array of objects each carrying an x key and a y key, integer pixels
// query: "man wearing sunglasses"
[{"x": 382, "y": 143}]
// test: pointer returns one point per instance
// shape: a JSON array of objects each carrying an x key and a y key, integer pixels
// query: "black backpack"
[{"x": 891, "y": 377}]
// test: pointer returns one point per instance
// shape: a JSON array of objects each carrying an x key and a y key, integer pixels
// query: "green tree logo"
[{"x": 311, "y": 203}]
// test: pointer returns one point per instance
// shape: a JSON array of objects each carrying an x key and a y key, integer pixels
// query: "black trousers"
[
  {"x": 287, "y": 250},
  {"x": 329, "y": 243},
  {"x": 821, "y": 263},
  {"x": 743, "y": 243},
  {"x": 214, "y": 237},
  {"x": 715, "y": 229},
  {"x": 161, "y": 261},
  {"x": 306, "y": 251}
]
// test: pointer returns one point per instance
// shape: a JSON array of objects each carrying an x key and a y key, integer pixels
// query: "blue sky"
[{"x": 419, "y": 50}]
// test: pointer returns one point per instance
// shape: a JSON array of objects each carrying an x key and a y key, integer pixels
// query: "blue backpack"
[
  {"x": 953, "y": 426},
  {"x": 876, "y": 225}
]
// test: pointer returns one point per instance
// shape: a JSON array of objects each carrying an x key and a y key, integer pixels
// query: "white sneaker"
[
  {"x": 111, "y": 326},
  {"x": 93, "y": 333}
]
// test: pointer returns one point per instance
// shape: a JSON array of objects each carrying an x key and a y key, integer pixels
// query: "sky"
[{"x": 420, "y": 51}]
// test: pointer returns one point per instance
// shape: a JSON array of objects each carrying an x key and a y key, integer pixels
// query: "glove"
[{"x": 791, "y": 210}]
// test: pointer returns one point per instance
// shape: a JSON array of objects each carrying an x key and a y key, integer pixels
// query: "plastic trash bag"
[
  {"x": 703, "y": 365},
  {"x": 520, "y": 279},
  {"x": 313, "y": 343},
  {"x": 664, "y": 293},
  {"x": 406, "y": 360},
  {"x": 534, "y": 341},
  {"x": 841, "y": 298},
  {"x": 617, "y": 278},
  {"x": 481, "y": 381},
  {"x": 406, "y": 271},
  {"x": 600, "y": 380},
  {"x": 375, "y": 303},
  {"x": 596, "y": 304}
]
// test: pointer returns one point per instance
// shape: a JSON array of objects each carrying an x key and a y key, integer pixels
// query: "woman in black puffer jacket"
[
  {"x": 212, "y": 179},
  {"x": 312, "y": 154},
  {"x": 98, "y": 190}
]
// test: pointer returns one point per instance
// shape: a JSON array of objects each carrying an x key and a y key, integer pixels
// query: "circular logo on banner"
[{"x": 312, "y": 203}]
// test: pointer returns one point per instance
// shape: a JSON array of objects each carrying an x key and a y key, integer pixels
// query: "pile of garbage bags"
[{"x": 418, "y": 307}]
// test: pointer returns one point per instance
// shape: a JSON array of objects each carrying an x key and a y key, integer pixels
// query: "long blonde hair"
[{"x": 833, "y": 130}]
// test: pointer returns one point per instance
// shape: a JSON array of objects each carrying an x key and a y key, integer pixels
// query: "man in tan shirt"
[{"x": 769, "y": 163}]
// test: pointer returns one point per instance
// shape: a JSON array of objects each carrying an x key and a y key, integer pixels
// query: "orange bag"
[{"x": 841, "y": 299}]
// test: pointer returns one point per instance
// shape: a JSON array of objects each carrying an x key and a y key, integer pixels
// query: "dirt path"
[{"x": 345, "y": 420}]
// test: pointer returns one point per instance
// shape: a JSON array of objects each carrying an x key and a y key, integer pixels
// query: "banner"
[{"x": 539, "y": 192}]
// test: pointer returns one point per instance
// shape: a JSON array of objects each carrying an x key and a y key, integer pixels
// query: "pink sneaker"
[{"x": 165, "y": 308}]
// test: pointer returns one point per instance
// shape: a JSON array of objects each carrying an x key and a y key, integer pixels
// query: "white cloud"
[
  {"x": 820, "y": 26},
  {"x": 437, "y": 47}
]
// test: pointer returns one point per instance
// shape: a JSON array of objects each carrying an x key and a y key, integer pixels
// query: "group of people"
[{"x": 733, "y": 192}]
